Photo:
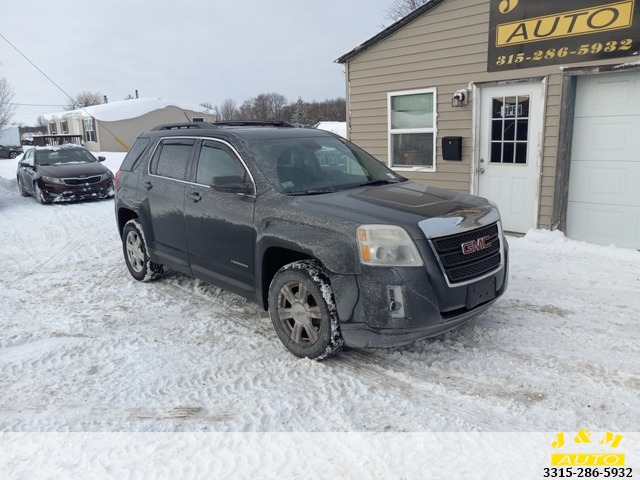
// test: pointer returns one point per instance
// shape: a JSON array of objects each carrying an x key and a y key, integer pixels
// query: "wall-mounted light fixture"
[{"x": 460, "y": 98}]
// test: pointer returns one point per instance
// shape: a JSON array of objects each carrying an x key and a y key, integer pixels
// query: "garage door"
[{"x": 604, "y": 186}]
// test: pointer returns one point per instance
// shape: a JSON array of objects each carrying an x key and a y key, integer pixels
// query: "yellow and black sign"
[{"x": 531, "y": 33}]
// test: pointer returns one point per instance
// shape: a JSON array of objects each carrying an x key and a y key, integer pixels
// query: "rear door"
[
  {"x": 219, "y": 225},
  {"x": 165, "y": 185}
]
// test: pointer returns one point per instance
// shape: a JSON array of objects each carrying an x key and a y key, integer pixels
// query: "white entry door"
[{"x": 508, "y": 167}]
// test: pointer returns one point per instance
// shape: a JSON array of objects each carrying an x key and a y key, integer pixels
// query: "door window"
[
  {"x": 172, "y": 158},
  {"x": 509, "y": 129},
  {"x": 217, "y": 160}
]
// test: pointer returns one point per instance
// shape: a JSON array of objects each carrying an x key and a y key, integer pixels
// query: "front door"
[{"x": 508, "y": 167}]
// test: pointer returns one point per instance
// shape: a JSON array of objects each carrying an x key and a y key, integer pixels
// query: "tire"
[
  {"x": 21, "y": 189},
  {"x": 136, "y": 253},
  {"x": 303, "y": 310},
  {"x": 13, "y": 154},
  {"x": 39, "y": 195}
]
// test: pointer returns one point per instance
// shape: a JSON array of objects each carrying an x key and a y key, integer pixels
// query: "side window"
[
  {"x": 412, "y": 129},
  {"x": 217, "y": 160},
  {"x": 172, "y": 158},
  {"x": 28, "y": 157},
  {"x": 134, "y": 154}
]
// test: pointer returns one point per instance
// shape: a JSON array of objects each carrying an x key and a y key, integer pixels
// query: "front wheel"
[
  {"x": 21, "y": 189},
  {"x": 136, "y": 253},
  {"x": 303, "y": 310}
]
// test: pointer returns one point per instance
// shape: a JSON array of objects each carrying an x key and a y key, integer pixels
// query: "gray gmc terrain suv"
[{"x": 337, "y": 247}]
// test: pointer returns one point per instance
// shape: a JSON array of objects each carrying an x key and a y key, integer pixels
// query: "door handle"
[
  {"x": 481, "y": 171},
  {"x": 148, "y": 185},
  {"x": 195, "y": 197}
]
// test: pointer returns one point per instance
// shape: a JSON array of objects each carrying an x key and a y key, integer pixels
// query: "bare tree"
[
  {"x": 85, "y": 99},
  {"x": 401, "y": 8},
  {"x": 266, "y": 106},
  {"x": 7, "y": 109},
  {"x": 227, "y": 111},
  {"x": 207, "y": 105}
]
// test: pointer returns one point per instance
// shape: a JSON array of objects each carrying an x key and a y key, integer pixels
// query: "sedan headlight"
[
  {"x": 388, "y": 246},
  {"x": 106, "y": 176},
  {"x": 51, "y": 179}
]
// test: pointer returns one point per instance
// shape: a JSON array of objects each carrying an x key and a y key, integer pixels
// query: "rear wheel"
[
  {"x": 303, "y": 310},
  {"x": 136, "y": 253}
]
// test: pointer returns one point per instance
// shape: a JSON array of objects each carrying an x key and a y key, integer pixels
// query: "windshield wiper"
[
  {"x": 378, "y": 182},
  {"x": 314, "y": 191}
]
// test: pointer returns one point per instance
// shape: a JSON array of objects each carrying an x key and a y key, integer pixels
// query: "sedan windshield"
[
  {"x": 306, "y": 166},
  {"x": 63, "y": 156}
]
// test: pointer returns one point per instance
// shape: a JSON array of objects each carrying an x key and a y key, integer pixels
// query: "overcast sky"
[{"x": 192, "y": 52}]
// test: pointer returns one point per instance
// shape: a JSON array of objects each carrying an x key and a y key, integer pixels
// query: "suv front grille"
[
  {"x": 82, "y": 181},
  {"x": 469, "y": 255}
]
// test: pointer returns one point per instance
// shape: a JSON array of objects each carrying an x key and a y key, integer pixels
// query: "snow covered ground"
[{"x": 85, "y": 348}]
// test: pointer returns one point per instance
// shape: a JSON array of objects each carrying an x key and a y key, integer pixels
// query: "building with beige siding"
[
  {"x": 534, "y": 104},
  {"x": 113, "y": 127}
]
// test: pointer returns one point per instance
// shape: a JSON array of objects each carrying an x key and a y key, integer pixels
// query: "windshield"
[
  {"x": 63, "y": 156},
  {"x": 300, "y": 166}
]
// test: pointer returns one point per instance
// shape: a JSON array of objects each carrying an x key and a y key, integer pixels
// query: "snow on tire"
[
  {"x": 303, "y": 310},
  {"x": 136, "y": 253}
]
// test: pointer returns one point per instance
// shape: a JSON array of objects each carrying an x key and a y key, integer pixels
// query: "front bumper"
[
  {"x": 396, "y": 306},
  {"x": 57, "y": 193}
]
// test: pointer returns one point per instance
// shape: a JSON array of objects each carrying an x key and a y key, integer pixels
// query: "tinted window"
[
  {"x": 134, "y": 154},
  {"x": 217, "y": 160},
  {"x": 171, "y": 159}
]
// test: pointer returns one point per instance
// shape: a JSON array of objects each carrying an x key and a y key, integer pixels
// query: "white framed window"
[
  {"x": 412, "y": 129},
  {"x": 53, "y": 128},
  {"x": 197, "y": 119},
  {"x": 89, "y": 130},
  {"x": 64, "y": 126}
]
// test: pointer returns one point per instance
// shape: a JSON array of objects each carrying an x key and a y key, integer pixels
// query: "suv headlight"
[
  {"x": 388, "y": 246},
  {"x": 51, "y": 179}
]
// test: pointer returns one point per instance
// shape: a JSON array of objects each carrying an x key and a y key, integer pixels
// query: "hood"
[
  {"x": 73, "y": 169},
  {"x": 422, "y": 210}
]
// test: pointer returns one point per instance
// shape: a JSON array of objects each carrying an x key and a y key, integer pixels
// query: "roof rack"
[
  {"x": 184, "y": 126},
  {"x": 249, "y": 123},
  {"x": 211, "y": 125}
]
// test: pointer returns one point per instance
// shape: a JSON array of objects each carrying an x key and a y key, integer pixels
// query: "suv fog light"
[{"x": 395, "y": 301}]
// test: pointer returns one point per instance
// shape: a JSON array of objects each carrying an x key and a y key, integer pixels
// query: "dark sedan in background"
[
  {"x": 63, "y": 174},
  {"x": 10, "y": 152}
]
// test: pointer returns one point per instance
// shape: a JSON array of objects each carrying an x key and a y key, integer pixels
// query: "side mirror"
[
  {"x": 101, "y": 158},
  {"x": 232, "y": 184},
  {"x": 25, "y": 164}
]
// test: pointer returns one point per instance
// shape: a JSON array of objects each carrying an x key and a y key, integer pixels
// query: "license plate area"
[{"x": 481, "y": 292}]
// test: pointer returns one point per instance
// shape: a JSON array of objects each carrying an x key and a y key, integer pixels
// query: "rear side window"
[
  {"x": 171, "y": 158},
  {"x": 132, "y": 157}
]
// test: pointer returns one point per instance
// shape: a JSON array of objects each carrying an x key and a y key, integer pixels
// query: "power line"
[
  {"x": 33, "y": 105},
  {"x": 61, "y": 89}
]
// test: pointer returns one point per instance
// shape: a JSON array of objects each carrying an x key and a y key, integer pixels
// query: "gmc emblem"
[{"x": 476, "y": 245}]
